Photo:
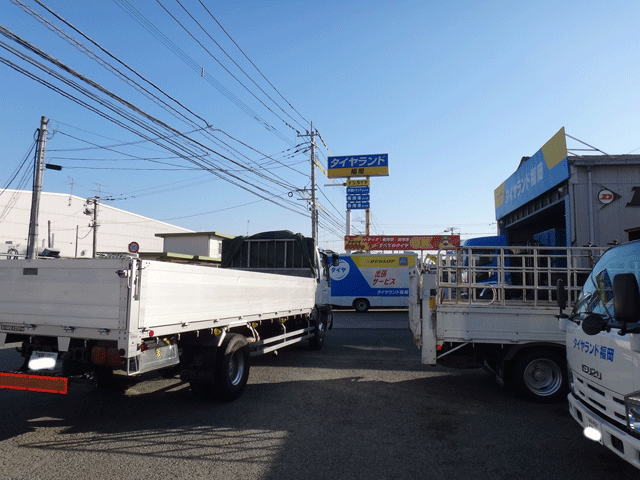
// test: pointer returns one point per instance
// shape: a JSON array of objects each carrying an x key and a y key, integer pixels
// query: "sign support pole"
[{"x": 348, "y": 227}]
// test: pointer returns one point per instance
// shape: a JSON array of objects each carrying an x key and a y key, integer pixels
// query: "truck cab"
[
  {"x": 479, "y": 263},
  {"x": 603, "y": 353}
]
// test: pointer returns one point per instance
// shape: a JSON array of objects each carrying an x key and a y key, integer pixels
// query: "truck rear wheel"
[
  {"x": 361, "y": 304},
  {"x": 221, "y": 372},
  {"x": 232, "y": 367},
  {"x": 541, "y": 375}
]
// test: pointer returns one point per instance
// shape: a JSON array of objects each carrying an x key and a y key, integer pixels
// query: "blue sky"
[{"x": 455, "y": 92}]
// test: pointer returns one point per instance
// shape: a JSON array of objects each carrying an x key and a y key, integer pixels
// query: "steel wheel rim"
[
  {"x": 236, "y": 367},
  {"x": 543, "y": 377}
]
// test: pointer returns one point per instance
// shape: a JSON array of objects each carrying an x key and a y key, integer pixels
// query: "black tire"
[
  {"x": 361, "y": 305},
  {"x": 317, "y": 341},
  {"x": 232, "y": 367},
  {"x": 541, "y": 375}
]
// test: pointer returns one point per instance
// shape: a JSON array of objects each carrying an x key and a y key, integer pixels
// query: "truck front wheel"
[
  {"x": 317, "y": 341},
  {"x": 361, "y": 304},
  {"x": 541, "y": 375}
]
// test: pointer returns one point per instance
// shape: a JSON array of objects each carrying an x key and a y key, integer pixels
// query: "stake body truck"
[
  {"x": 495, "y": 307},
  {"x": 603, "y": 353},
  {"x": 121, "y": 316}
]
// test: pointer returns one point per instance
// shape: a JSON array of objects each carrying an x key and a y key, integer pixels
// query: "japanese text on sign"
[
  {"x": 358, "y": 165},
  {"x": 523, "y": 184},
  {"x": 358, "y": 182},
  {"x": 411, "y": 242}
]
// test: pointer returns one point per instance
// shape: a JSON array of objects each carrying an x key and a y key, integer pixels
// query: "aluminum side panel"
[
  {"x": 178, "y": 294},
  {"x": 498, "y": 325},
  {"x": 78, "y": 293}
]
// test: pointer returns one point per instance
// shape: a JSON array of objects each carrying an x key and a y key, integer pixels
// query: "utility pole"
[
  {"x": 94, "y": 223},
  {"x": 313, "y": 206},
  {"x": 32, "y": 242},
  {"x": 95, "y": 226},
  {"x": 314, "y": 209}
]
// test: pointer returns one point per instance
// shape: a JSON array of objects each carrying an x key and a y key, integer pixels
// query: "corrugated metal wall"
[{"x": 608, "y": 221}]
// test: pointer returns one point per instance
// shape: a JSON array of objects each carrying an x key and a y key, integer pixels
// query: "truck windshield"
[{"x": 597, "y": 293}]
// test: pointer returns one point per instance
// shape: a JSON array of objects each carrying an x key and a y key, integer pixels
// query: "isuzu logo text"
[{"x": 592, "y": 371}]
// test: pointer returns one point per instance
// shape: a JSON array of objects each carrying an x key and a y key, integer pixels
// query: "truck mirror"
[
  {"x": 626, "y": 299},
  {"x": 593, "y": 324},
  {"x": 561, "y": 294},
  {"x": 335, "y": 259}
]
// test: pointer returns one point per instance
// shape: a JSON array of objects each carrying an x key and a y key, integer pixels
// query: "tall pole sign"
[{"x": 358, "y": 192}]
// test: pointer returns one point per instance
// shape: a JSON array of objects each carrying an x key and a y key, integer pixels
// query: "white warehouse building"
[{"x": 64, "y": 226}]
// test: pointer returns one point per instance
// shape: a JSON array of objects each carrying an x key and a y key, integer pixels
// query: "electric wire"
[
  {"x": 216, "y": 59},
  {"x": 250, "y": 61},
  {"x": 95, "y": 57},
  {"x": 136, "y": 15},
  {"x": 104, "y": 115},
  {"x": 242, "y": 70},
  {"x": 139, "y": 112}
]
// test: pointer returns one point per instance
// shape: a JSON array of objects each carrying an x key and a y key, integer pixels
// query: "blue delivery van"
[{"x": 370, "y": 280}]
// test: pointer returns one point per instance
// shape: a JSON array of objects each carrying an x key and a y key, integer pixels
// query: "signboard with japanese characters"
[
  {"x": 408, "y": 242},
  {"x": 547, "y": 168},
  {"x": 358, "y": 205},
  {"x": 358, "y": 182},
  {"x": 358, "y": 166},
  {"x": 356, "y": 190},
  {"x": 371, "y": 275}
]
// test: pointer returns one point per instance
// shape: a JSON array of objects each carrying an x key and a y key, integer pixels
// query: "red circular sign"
[
  {"x": 134, "y": 247},
  {"x": 606, "y": 196}
]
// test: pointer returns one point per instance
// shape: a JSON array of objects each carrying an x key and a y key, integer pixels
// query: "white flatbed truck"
[
  {"x": 116, "y": 318},
  {"x": 495, "y": 307}
]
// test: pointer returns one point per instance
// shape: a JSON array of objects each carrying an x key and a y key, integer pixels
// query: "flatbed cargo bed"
[{"x": 127, "y": 299}]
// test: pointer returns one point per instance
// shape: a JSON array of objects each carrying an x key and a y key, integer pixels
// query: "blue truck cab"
[{"x": 483, "y": 258}]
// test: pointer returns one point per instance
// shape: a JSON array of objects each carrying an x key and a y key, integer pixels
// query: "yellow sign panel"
[
  {"x": 555, "y": 150},
  {"x": 389, "y": 261},
  {"x": 358, "y": 182},
  {"x": 356, "y": 172}
]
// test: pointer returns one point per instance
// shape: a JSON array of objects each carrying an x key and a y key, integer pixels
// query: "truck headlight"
[
  {"x": 632, "y": 405},
  {"x": 570, "y": 379}
]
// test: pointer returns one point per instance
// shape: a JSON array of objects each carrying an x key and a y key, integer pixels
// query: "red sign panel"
[
  {"x": 406, "y": 242},
  {"x": 36, "y": 383}
]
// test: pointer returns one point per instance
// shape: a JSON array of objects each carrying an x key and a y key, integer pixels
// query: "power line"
[
  {"x": 106, "y": 64},
  {"x": 136, "y": 15},
  {"x": 306, "y": 122},
  {"x": 110, "y": 106},
  {"x": 242, "y": 70},
  {"x": 174, "y": 142},
  {"x": 219, "y": 62}
]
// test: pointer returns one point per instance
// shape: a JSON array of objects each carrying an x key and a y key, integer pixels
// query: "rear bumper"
[{"x": 615, "y": 439}]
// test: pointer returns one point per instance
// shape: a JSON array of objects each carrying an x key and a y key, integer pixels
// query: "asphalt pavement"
[{"x": 363, "y": 407}]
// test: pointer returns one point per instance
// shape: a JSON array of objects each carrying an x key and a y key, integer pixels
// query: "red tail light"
[
  {"x": 105, "y": 356},
  {"x": 99, "y": 355},
  {"x": 113, "y": 357}
]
